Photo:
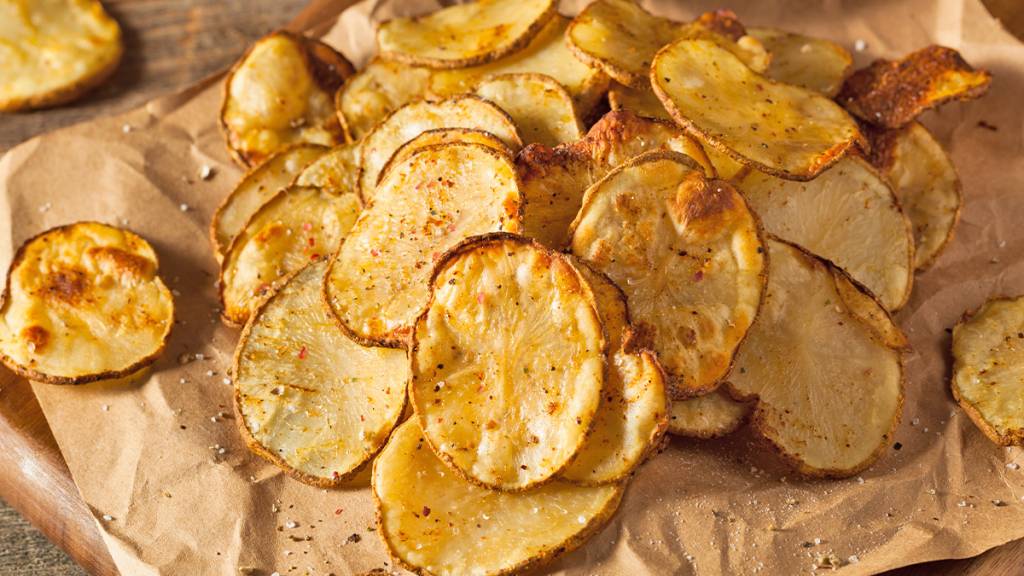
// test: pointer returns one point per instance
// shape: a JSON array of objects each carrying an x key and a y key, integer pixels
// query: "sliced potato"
[
  {"x": 337, "y": 171},
  {"x": 376, "y": 91},
  {"x": 892, "y": 93},
  {"x": 988, "y": 352},
  {"x": 708, "y": 416},
  {"x": 925, "y": 183},
  {"x": 507, "y": 362},
  {"x": 847, "y": 215},
  {"x": 281, "y": 92},
  {"x": 464, "y": 34},
  {"x": 829, "y": 390},
  {"x": 633, "y": 413},
  {"x": 540, "y": 108},
  {"x": 83, "y": 302},
  {"x": 413, "y": 119},
  {"x": 53, "y": 51},
  {"x": 443, "y": 136},
  {"x": 725, "y": 167},
  {"x": 812, "y": 63},
  {"x": 433, "y": 522},
  {"x": 640, "y": 101},
  {"x": 378, "y": 283},
  {"x": 299, "y": 225},
  {"x": 308, "y": 398},
  {"x": 258, "y": 186},
  {"x": 778, "y": 128},
  {"x": 687, "y": 253}
]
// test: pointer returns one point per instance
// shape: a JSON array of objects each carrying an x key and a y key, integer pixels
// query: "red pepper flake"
[
  {"x": 335, "y": 476},
  {"x": 307, "y": 226},
  {"x": 480, "y": 297},
  {"x": 314, "y": 256},
  {"x": 338, "y": 512},
  {"x": 426, "y": 511},
  {"x": 303, "y": 353},
  {"x": 698, "y": 276},
  {"x": 374, "y": 252},
  {"x": 435, "y": 256},
  {"x": 311, "y": 241},
  {"x": 362, "y": 418}
]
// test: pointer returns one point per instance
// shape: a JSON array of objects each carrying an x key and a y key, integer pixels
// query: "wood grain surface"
[{"x": 170, "y": 45}]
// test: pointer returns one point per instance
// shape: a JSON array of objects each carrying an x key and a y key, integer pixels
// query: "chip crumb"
[
  {"x": 931, "y": 491},
  {"x": 853, "y": 559},
  {"x": 962, "y": 503},
  {"x": 353, "y": 539},
  {"x": 860, "y": 480},
  {"x": 999, "y": 503},
  {"x": 830, "y": 561}
]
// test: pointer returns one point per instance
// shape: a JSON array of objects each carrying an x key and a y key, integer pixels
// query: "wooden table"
[{"x": 171, "y": 44}]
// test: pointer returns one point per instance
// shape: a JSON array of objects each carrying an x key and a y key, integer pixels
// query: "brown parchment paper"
[{"x": 174, "y": 490}]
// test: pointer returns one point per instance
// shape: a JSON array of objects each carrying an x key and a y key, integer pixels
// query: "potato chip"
[
  {"x": 299, "y": 225},
  {"x": 708, "y": 416},
  {"x": 485, "y": 532},
  {"x": 925, "y": 183},
  {"x": 640, "y": 101},
  {"x": 413, "y": 119},
  {"x": 443, "y": 136},
  {"x": 540, "y": 108},
  {"x": 83, "y": 302},
  {"x": 987, "y": 356},
  {"x": 378, "y": 283},
  {"x": 464, "y": 34},
  {"x": 375, "y": 92},
  {"x": 778, "y": 128},
  {"x": 812, "y": 63},
  {"x": 53, "y": 51},
  {"x": 507, "y": 362},
  {"x": 828, "y": 389},
  {"x": 847, "y": 215},
  {"x": 337, "y": 171},
  {"x": 281, "y": 92},
  {"x": 687, "y": 253},
  {"x": 893, "y": 93},
  {"x": 308, "y": 398}
]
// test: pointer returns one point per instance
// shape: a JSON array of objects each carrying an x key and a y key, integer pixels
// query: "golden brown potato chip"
[
  {"x": 464, "y": 34},
  {"x": 376, "y": 91},
  {"x": 687, "y": 253},
  {"x": 892, "y": 93},
  {"x": 812, "y": 63},
  {"x": 828, "y": 389},
  {"x": 444, "y": 136},
  {"x": 53, "y": 51},
  {"x": 336, "y": 171},
  {"x": 708, "y": 416},
  {"x": 988, "y": 352},
  {"x": 778, "y": 128},
  {"x": 308, "y": 398},
  {"x": 640, "y": 101},
  {"x": 541, "y": 109},
  {"x": 281, "y": 92},
  {"x": 83, "y": 302},
  {"x": 507, "y": 362}
]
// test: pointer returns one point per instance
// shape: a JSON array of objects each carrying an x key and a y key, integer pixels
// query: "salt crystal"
[
  {"x": 107, "y": 517},
  {"x": 1013, "y": 466},
  {"x": 106, "y": 408},
  {"x": 205, "y": 172},
  {"x": 126, "y": 128},
  {"x": 853, "y": 559},
  {"x": 183, "y": 207},
  {"x": 931, "y": 491},
  {"x": 291, "y": 524},
  {"x": 860, "y": 45}
]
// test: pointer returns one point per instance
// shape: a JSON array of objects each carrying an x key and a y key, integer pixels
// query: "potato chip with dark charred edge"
[
  {"x": 708, "y": 416},
  {"x": 808, "y": 62}
]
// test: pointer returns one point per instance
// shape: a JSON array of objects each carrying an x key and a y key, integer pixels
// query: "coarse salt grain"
[
  {"x": 126, "y": 128},
  {"x": 107, "y": 517},
  {"x": 105, "y": 408},
  {"x": 205, "y": 172},
  {"x": 860, "y": 45},
  {"x": 291, "y": 524},
  {"x": 1013, "y": 466},
  {"x": 183, "y": 207}
]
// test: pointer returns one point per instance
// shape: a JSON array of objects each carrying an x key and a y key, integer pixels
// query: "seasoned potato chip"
[
  {"x": 847, "y": 215},
  {"x": 640, "y": 101},
  {"x": 812, "y": 63},
  {"x": 687, "y": 253},
  {"x": 708, "y": 416},
  {"x": 376, "y": 91},
  {"x": 258, "y": 186},
  {"x": 413, "y": 119},
  {"x": 507, "y": 362},
  {"x": 925, "y": 183},
  {"x": 281, "y": 92},
  {"x": 378, "y": 283},
  {"x": 540, "y": 108},
  {"x": 554, "y": 179},
  {"x": 633, "y": 413},
  {"x": 464, "y": 34},
  {"x": 828, "y": 389},
  {"x": 53, "y": 51},
  {"x": 484, "y": 532},
  {"x": 300, "y": 224},
  {"x": 443, "y": 136},
  {"x": 987, "y": 356},
  {"x": 781, "y": 129},
  {"x": 83, "y": 302},
  {"x": 308, "y": 398},
  {"x": 337, "y": 171},
  {"x": 892, "y": 93}
]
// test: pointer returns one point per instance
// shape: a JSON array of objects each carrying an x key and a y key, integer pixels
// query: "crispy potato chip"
[
  {"x": 687, "y": 253},
  {"x": 640, "y": 101},
  {"x": 53, "y": 51},
  {"x": 376, "y": 91},
  {"x": 337, "y": 171},
  {"x": 443, "y": 136},
  {"x": 83, "y": 302},
  {"x": 540, "y": 108},
  {"x": 925, "y": 183},
  {"x": 378, "y": 283},
  {"x": 258, "y": 186},
  {"x": 892, "y": 93},
  {"x": 281, "y": 92},
  {"x": 828, "y": 389},
  {"x": 554, "y": 179},
  {"x": 812, "y": 63},
  {"x": 507, "y": 362},
  {"x": 485, "y": 532},
  {"x": 307, "y": 397},
  {"x": 413, "y": 119},
  {"x": 781, "y": 129},
  {"x": 847, "y": 215},
  {"x": 708, "y": 416},
  {"x": 464, "y": 34},
  {"x": 988, "y": 351},
  {"x": 299, "y": 225}
]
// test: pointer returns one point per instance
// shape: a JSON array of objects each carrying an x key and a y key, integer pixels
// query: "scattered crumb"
[{"x": 45, "y": 207}]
